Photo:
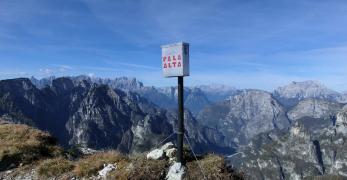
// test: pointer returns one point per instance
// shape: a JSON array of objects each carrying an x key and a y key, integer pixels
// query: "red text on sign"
[{"x": 173, "y": 61}]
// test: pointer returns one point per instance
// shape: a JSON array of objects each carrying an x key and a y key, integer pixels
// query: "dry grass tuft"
[
  {"x": 140, "y": 168},
  {"x": 214, "y": 167},
  {"x": 91, "y": 164},
  {"x": 21, "y": 144},
  {"x": 24, "y": 145},
  {"x": 55, "y": 167}
]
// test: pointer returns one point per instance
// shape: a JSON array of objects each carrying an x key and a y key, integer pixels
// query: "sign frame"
[{"x": 175, "y": 60}]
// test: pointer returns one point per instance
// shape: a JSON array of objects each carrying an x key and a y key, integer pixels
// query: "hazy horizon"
[{"x": 189, "y": 84}]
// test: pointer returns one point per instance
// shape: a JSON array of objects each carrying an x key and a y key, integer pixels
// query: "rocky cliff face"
[
  {"x": 79, "y": 112},
  {"x": 297, "y": 154},
  {"x": 315, "y": 114},
  {"x": 341, "y": 121},
  {"x": 314, "y": 108},
  {"x": 109, "y": 118},
  {"x": 289, "y": 157},
  {"x": 22, "y": 102},
  {"x": 245, "y": 115},
  {"x": 87, "y": 114},
  {"x": 202, "y": 138}
]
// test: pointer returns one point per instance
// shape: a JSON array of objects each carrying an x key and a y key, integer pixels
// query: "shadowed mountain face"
[
  {"x": 79, "y": 112},
  {"x": 91, "y": 115}
]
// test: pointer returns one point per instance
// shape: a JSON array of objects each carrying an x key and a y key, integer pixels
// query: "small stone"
[
  {"x": 176, "y": 172},
  {"x": 87, "y": 151},
  {"x": 170, "y": 153},
  {"x": 156, "y": 154},
  {"x": 167, "y": 146},
  {"x": 107, "y": 168},
  {"x": 172, "y": 160}
]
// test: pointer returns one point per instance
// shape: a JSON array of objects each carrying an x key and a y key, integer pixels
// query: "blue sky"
[{"x": 243, "y": 43}]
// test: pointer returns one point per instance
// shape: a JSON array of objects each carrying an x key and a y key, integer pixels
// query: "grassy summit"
[
  {"x": 21, "y": 145},
  {"x": 28, "y": 153}
]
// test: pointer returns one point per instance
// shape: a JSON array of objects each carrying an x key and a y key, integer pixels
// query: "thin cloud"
[
  {"x": 63, "y": 66},
  {"x": 138, "y": 66},
  {"x": 46, "y": 71},
  {"x": 15, "y": 73},
  {"x": 130, "y": 65},
  {"x": 109, "y": 69},
  {"x": 242, "y": 43}
]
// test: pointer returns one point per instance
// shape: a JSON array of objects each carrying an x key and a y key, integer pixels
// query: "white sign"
[{"x": 175, "y": 59}]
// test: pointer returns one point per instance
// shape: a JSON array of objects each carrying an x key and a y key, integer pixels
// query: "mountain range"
[
  {"x": 80, "y": 112},
  {"x": 297, "y": 154},
  {"x": 265, "y": 131}
]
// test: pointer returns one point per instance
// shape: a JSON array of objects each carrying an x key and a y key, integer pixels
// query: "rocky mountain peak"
[
  {"x": 314, "y": 108},
  {"x": 214, "y": 87},
  {"x": 248, "y": 94},
  {"x": 218, "y": 92},
  {"x": 18, "y": 84},
  {"x": 20, "y": 88},
  {"x": 292, "y": 93},
  {"x": 305, "y": 89},
  {"x": 123, "y": 83},
  {"x": 42, "y": 83},
  {"x": 62, "y": 84},
  {"x": 26, "y": 84},
  {"x": 245, "y": 115},
  {"x": 256, "y": 105},
  {"x": 196, "y": 97}
]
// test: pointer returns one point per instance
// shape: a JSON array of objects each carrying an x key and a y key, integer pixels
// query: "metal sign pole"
[
  {"x": 175, "y": 63},
  {"x": 180, "y": 132}
]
